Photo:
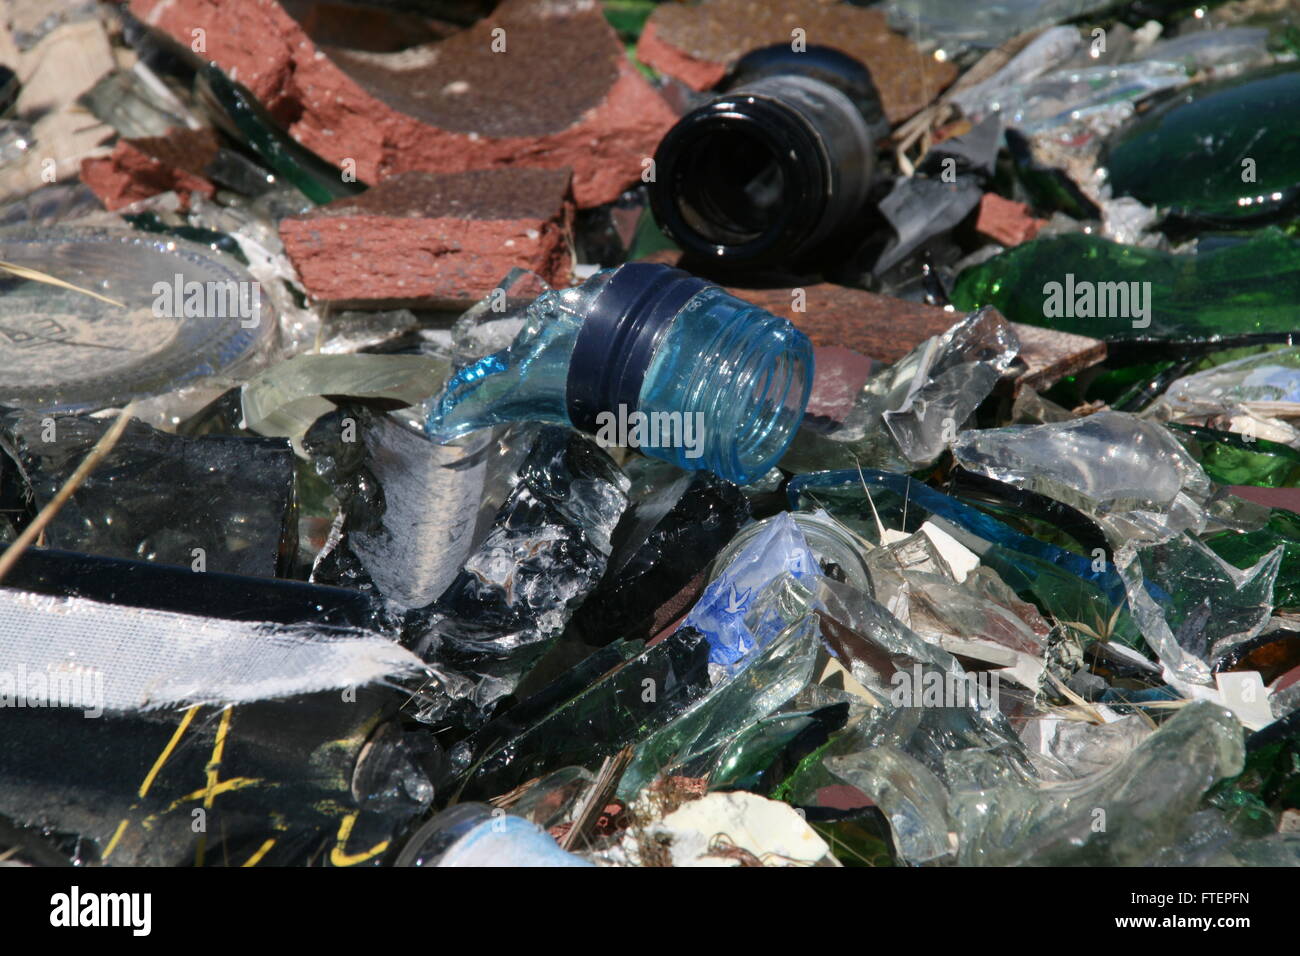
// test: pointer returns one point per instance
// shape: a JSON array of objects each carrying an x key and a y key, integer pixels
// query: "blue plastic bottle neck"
[{"x": 619, "y": 336}]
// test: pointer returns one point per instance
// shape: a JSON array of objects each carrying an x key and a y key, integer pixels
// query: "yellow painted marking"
[
  {"x": 218, "y": 748},
  {"x": 262, "y": 850},
  {"x": 339, "y": 857},
  {"x": 225, "y": 786},
  {"x": 117, "y": 835},
  {"x": 213, "y": 769},
  {"x": 152, "y": 775},
  {"x": 167, "y": 751}
]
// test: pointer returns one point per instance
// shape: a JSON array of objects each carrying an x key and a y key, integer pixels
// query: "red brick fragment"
[
  {"x": 877, "y": 326},
  {"x": 420, "y": 239},
  {"x": 140, "y": 168},
  {"x": 1006, "y": 221},
  {"x": 561, "y": 93},
  {"x": 671, "y": 61}
]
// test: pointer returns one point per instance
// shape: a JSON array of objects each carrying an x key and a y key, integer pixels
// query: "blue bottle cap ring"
[{"x": 619, "y": 337}]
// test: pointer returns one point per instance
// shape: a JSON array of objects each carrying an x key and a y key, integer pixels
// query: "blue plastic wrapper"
[{"x": 721, "y": 611}]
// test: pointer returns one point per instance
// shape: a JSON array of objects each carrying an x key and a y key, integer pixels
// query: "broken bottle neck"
[
  {"x": 774, "y": 167},
  {"x": 649, "y": 357}
]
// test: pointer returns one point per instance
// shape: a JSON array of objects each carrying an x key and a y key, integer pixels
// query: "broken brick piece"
[
  {"x": 144, "y": 167},
  {"x": 698, "y": 43},
  {"x": 420, "y": 239},
  {"x": 877, "y": 326},
  {"x": 1006, "y": 221},
  {"x": 537, "y": 84},
  {"x": 677, "y": 63},
  {"x": 886, "y": 329},
  {"x": 1050, "y": 355}
]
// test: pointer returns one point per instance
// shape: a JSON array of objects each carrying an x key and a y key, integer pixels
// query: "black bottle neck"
[{"x": 769, "y": 170}]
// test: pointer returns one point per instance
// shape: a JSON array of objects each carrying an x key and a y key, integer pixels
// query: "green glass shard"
[
  {"x": 628, "y": 17},
  {"x": 764, "y": 683},
  {"x": 1050, "y": 189},
  {"x": 800, "y": 787},
  {"x": 317, "y": 179},
  {"x": 1245, "y": 549},
  {"x": 1086, "y": 285},
  {"x": 1225, "y": 152},
  {"x": 745, "y": 760},
  {"x": 1117, "y": 386},
  {"x": 1269, "y": 782},
  {"x": 1230, "y": 459},
  {"x": 855, "y": 842},
  {"x": 624, "y": 706},
  {"x": 214, "y": 240}
]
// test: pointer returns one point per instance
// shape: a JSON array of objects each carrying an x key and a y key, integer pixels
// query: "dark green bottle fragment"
[
  {"x": 1232, "y": 459},
  {"x": 318, "y": 180},
  {"x": 1238, "y": 291},
  {"x": 1222, "y": 153},
  {"x": 1049, "y": 188},
  {"x": 1244, "y": 549}
]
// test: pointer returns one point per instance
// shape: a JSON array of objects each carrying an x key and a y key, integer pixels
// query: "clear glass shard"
[
  {"x": 1120, "y": 816},
  {"x": 1109, "y": 461}
]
